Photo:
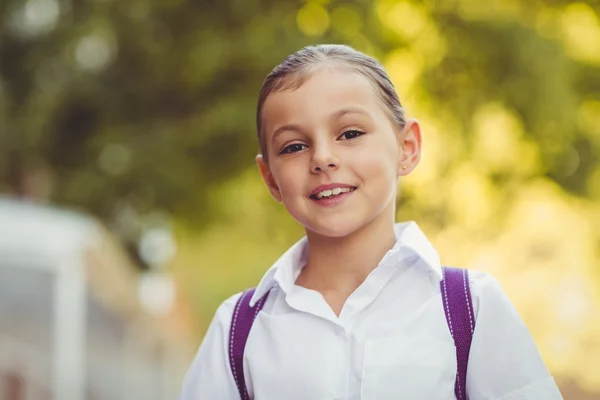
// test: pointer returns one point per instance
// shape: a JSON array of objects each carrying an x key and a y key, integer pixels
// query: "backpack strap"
[
  {"x": 241, "y": 323},
  {"x": 458, "y": 307}
]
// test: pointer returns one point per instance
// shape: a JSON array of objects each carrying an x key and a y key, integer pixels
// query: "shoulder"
[
  {"x": 209, "y": 375},
  {"x": 225, "y": 310},
  {"x": 485, "y": 289},
  {"x": 228, "y": 305},
  {"x": 482, "y": 281}
]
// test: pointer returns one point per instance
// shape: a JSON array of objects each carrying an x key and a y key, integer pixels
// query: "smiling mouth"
[{"x": 332, "y": 193}]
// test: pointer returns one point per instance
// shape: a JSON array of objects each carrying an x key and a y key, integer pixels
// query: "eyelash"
[{"x": 358, "y": 133}]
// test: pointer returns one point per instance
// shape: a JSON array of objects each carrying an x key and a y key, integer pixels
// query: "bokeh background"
[{"x": 131, "y": 205}]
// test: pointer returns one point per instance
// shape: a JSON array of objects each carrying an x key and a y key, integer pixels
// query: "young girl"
[{"x": 357, "y": 309}]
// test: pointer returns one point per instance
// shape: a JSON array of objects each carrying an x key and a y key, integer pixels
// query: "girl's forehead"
[{"x": 326, "y": 90}]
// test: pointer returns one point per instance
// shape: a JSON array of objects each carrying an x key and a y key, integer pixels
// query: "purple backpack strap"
[
  {"x": 241, "y": 323},
  {"x": 458, "y": 306}
]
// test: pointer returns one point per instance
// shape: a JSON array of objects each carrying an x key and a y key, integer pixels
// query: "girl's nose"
[
  {"x": 320, "y": 169},
  {"x": 324, "y": 160}
]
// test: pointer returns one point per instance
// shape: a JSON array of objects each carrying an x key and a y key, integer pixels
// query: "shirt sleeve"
[
  {"x": 504, "y": 362},
  {"x": 209, "y": 376}
]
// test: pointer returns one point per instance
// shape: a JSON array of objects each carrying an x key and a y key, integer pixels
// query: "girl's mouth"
[{"x": 330, "y": 194}]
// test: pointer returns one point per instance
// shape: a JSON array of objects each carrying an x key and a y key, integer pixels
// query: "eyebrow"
[
  {"x": 334, "y": 116},
  {"x": 349, "y": 110},
  {"x": 285, "y": 128}
]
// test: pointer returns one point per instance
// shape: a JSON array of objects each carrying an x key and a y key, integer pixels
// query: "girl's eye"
[
  {"x": 351, "y": 134},
  {"x": 293, "y": 148}
]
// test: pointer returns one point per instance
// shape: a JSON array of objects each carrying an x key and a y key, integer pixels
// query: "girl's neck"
[{"x": 340, "y": 265}]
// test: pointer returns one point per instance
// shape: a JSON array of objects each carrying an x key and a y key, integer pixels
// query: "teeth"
[{"x": 333, "y": 192}]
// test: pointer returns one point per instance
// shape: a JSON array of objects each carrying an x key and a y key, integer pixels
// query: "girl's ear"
[
  {"x": 267, "y": 176},
  {"x": 410, "y": 147}
]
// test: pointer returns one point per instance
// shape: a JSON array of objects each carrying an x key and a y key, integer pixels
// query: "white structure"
[{"x": 71, "y": 326}]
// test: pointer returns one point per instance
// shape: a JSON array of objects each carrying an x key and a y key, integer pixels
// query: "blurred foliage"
[
  {"x": 134, "y": 107},
  {"x": 150, "y": 104}
]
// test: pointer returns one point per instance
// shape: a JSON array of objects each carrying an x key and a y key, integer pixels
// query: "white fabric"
[{"x": 391, "y": 340}]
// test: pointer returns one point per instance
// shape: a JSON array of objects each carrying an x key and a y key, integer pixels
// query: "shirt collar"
[{"x": 410, "y": 240}]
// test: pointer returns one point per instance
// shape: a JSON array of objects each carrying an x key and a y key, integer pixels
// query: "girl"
[{"x": 357, "y": 309}]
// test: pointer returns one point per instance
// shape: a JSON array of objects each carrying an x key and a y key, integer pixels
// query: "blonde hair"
[{"x": 299, "y": 66}]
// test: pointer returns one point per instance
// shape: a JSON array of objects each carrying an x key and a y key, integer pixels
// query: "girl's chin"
[{"x": 334, "y": 229}]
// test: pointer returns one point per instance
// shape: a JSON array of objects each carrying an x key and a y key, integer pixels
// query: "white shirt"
[{"x": 390, "y": 341}]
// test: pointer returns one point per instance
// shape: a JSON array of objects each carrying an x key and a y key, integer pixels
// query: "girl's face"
[{"x": 334, "y": 155}]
